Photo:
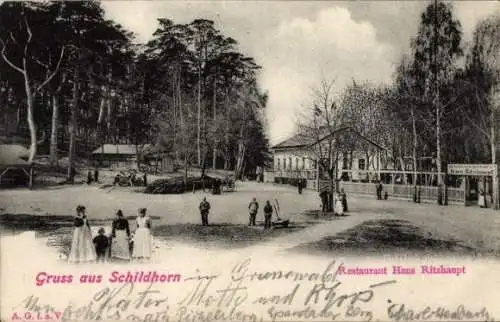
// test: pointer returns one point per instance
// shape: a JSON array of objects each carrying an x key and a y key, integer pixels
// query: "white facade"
[
  {"x": 293, "y": 159},
  {"x": 298, "y": 162}
]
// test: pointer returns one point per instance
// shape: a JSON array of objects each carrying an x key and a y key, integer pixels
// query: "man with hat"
[
  {"x": 204, "y": 210},
  {"x": 253, "y": 207}
]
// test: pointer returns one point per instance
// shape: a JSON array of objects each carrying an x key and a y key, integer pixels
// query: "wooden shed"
[
  {"x": 14, "y": 166},
  {"x": 119, "y": 155},
  {"x": 159, "y": 159}
]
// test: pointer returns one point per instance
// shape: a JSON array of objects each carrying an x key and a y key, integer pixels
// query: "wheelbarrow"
[{"x": 279, "y": 222}]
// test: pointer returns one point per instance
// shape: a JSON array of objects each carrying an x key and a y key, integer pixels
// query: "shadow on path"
[
  {"x": 390, "y": 237},
  {"x": 59, "y": 231},
  {"x": 224, "y": 235}
]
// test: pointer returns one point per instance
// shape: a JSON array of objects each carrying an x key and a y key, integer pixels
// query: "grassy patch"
[
  {"x": 227, "y": 235},
  {"x": 386, "y": 237},
  {"x": 59, "y": 231}
]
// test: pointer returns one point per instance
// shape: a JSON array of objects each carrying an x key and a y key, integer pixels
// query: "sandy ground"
[
  {"x": 473, "y": 226},
  {"x": 231, "y": 207},
  {"x": 176, "y": 216}
]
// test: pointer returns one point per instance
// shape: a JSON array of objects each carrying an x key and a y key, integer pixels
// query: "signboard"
[{"x": 472, "y": 169}]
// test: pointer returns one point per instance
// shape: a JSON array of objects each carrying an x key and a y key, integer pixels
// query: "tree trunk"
[
  {"x": 100, "y": 126},
  {"x": 438, "y": 148},
  {"x": 198, "y": 129},
  {"x": 100, "y": 118},
  {"x": 31, "y": 119},
  {"x": 54, "y": 132},
  {"x": 414, "y": 126},
  {"x": 176, "y": 109},
  {"x": 73, "y": 123},
  {"x": 240, "y": 154},
  {"x": 215, "y": 141},
  {"x": 492, "y": 137},
  {"x": 185, "y": 169},
  {"x": 240, "y": 159},
  {"x": 226, "y": 131},
  {"x": 108, "y": 107}
]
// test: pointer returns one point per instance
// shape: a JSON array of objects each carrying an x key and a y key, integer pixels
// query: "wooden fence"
[{"x": 402, "y": 191}]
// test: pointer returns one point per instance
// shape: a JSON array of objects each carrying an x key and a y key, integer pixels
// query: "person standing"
[
  {"x": 120, "y": 235},
  {"x": 145, "y": 179},
  {"x": 330, "y": 201},
  {"x": 268, "y": 213},
  {"x": 89, "y": 177},
  {"x": 344, "y": 199},
  {"x": 82, "y": 248},
  {"x": 101, "y": 243},
  {"x": 143, "y": 243},
  {"x": 96, "y": 175},
  {"x": 132, "y": 179},
  {"x": 339, "y": 207},
  {"x": 299, "y": 186},
  {"x": 253, "y": 208},
  {"x": 324, "y": 196},
  {"x": 204, "y": 210},
  {"x": 481, "y": 199},
  {"x": 379, "y": 190},
  {"x": 72, "y": 174}
]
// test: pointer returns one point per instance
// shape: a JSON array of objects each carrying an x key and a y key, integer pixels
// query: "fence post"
[{"x": 495, "y": 188}]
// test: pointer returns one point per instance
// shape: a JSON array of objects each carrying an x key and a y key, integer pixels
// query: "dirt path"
[{"x": 479, "y": 228}]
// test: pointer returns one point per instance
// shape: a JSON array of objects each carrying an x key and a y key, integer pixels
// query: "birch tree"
[
  {"x": 22, "y": 53},
  {"x": 436, "y": 49}
]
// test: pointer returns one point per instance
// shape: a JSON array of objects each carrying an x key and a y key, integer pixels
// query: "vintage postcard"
[{"x": 239, "y": 161}]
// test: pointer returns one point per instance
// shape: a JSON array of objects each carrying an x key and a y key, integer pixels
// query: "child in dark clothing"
[{"x": 101, "y": 243}]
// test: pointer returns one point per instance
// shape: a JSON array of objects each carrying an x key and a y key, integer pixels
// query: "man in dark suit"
[{"x": 204, "y": 210}]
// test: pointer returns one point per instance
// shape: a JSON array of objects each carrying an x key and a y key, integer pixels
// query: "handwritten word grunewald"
[{"x": 311, "y": 297}]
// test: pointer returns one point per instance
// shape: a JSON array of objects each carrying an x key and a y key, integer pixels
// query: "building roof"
[
  {"x": 153, "y": 149},
  {"x": 123, "y": 149},
  {"x": 13, "y": 154},
  {"x": 302, "y": 140},
  {"x": 296, "y": 141}
]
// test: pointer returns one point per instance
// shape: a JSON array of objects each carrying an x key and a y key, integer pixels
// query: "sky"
[{"x": 299, "y": 43}]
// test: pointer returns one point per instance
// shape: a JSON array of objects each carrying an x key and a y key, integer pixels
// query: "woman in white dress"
[
  {"x": 142, "y": 237},
  {"x": 120, "y": 237},
  {"x": 339, "y": 206},
  {"x": 82, "y": 247},
  {"x": 481, "y": 200}
]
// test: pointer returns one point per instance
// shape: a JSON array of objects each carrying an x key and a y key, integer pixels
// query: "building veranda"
[{"x": 346, "y": 159}]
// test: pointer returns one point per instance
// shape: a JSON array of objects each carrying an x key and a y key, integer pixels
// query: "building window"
[
  {"x": 278, "y": 164},
  {"x": 296, "y": 163},
  {"x": 361, "y": 164},
  {"x": 303, "y": 163},
  {"x": 284, "y": 163},
  {"x": 290, "y": 163}
]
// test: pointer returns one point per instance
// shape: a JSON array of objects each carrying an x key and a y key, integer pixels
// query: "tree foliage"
[{"x": 88, "y": 84}]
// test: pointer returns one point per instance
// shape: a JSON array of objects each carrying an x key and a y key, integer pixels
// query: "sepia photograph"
[{"x": 200, "y": 161}]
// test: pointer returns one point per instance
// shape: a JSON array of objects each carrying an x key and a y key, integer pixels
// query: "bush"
[{"x": 176, "y": 185}]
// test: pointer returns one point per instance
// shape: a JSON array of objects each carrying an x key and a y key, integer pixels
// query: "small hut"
[
  {"x": 119, "y": 155},
  {"x": 14, "y": 166},
  {"x": 159, "y": 158}
]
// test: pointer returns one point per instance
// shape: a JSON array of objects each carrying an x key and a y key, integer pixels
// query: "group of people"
[
  {"x": 253, "y": 208},
  {"x": 131, "y": 179},
  {"x": 93, "y": 177},
  {"x": 120, "y": 244},
  {"x": 338, "y": 202}
]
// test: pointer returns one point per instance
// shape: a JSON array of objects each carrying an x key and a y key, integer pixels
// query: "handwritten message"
[{"x": 240, "y": 293}]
